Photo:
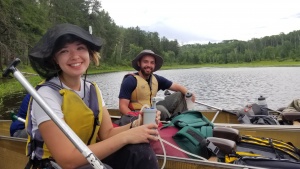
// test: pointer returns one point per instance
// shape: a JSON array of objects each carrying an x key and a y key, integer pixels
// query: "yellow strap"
[
  {"x": 241, "y": 153},
  {"x": 276, "y": 143},
  {"x": 283, "y": 148},
  {"x": 231, "y": 159}
]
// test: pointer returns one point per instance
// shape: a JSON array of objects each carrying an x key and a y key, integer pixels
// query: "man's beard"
[{"x": 146, "y": 74}]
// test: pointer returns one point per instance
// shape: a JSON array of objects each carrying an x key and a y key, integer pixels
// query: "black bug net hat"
[{"x": 41, "y": 55}]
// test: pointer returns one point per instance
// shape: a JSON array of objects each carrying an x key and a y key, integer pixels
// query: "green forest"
[{"x": 23, "y": 22}]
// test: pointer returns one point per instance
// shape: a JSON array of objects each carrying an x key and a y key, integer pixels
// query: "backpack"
[
  {"x": 254, "y": 114},
  {"x": 191, "y": 131},
  {"x": 192, "y": 118},
  {"x": 264, "y": 152}
]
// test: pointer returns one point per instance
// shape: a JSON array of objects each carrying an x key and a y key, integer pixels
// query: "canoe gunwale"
[
  {"x": 264, "y": 127},
  {"x": 13, "y": 138},
  {"x": 175, "y": 161},
  {"x": 206, "y": 162}
]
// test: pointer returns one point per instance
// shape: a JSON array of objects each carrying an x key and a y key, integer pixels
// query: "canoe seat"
[
  {"x": 225, "y": 146},
  {"x": 291, "y": 116},
  {"x": 227, "y": 133}
]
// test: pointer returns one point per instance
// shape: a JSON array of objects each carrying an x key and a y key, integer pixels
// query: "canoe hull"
[
  {"x": 12, "y": 153},
  {"x": 287, "y": 133},
  {"x": 12, "y": 150},
  {"x": 12, "y": 156}
]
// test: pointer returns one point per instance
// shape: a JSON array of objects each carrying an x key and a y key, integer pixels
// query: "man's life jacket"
[
  {"x": 83, "y": 120},
  {"x": 143, "y": 92}
]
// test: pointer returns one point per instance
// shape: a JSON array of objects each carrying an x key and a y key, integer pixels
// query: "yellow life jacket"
[
  {"x": 143, "y": 92},
  {"x": 83, "y": 120}
]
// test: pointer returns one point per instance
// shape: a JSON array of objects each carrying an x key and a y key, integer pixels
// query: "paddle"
[
  {"x": 78, "y": 143},
  {"x": 223, "y": 110},
  {"x": 275, "y": 111},
  {"x": 15, "y": 117},
  {"x": 214, "y": 118}
]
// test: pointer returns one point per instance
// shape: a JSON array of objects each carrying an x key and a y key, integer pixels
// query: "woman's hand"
[
  {"x": 141, "y": 134},
  {"x": 157, "y": 118}
]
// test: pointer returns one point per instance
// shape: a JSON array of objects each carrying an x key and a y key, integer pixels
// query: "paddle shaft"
[
  {"x": 20, "y": 119},
  {"x": 226, "y": 111},
  {"x": 78, "y": 143},
  {"x": 275, "y": 111}
]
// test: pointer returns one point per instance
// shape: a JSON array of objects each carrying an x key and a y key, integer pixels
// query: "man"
[{"x": 137, "y": 89}]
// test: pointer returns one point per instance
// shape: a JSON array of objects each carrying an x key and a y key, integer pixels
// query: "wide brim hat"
[
  {"x": 158, "y": 60},
  {"x": 41, "y": 54}
]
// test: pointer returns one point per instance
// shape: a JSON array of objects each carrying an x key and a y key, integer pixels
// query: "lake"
[{"x": 225, "y": 88}]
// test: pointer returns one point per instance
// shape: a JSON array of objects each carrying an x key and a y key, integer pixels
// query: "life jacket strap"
[{"x": 39, "y": 164}]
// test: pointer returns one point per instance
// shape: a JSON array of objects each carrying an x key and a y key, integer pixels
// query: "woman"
[{"x": 62, "y": 56}]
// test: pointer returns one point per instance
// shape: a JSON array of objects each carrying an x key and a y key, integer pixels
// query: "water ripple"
[{"x": 227, "y": 88}]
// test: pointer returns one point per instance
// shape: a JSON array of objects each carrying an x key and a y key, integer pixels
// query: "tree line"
[{"x": 23, "y": 22}]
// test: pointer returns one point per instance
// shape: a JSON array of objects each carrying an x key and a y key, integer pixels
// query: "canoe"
[
  {"x": 288, "y": 133},
  {"x": 215, "y": 116},
  {"x": 12, "y": 156},
  {"x": 12, "y": 150},
  {"x": 221, "y": 119}
]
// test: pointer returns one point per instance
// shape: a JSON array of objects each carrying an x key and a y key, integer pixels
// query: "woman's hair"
[{"x": 95, "y": 56}]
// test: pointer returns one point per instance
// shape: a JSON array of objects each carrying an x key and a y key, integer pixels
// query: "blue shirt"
[
  {"x": 129, "y": 84},
  {"x": 18, "y": 125}
]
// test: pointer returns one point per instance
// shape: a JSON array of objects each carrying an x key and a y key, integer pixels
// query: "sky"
[{"x": 203, "y": 21}]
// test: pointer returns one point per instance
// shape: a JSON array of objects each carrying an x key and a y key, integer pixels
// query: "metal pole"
[
  {"x": 216, "y": 115},
  {"x": 215, "y": 107}
]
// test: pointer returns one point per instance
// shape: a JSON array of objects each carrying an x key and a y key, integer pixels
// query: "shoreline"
[{"x": 9, "y": 86}]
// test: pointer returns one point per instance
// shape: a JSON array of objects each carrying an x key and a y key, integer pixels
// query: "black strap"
[
  {"x": 39, "y": 164},
  {"x": 209, "y": 145},
  {"x": 214, "y": 149},
  {"x": 29, "y": 164},
  {"x": 96, "y": 122},
  {"x": 272, "y": 146}
]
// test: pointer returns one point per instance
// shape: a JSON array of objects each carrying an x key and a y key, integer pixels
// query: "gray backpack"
[{"x": 254, "y": 114}]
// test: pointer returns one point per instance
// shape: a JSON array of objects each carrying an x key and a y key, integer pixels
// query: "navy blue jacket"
[{"x": 17, "y": 125}]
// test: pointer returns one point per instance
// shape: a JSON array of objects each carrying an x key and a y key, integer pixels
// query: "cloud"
[
  {"x": 203, "y": 21},
  {"x": 181, "y": 36}
]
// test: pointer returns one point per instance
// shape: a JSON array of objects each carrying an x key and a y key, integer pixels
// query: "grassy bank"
[
  {"x": 233, "y": 65},
  {"x": 11, "y": 85}
]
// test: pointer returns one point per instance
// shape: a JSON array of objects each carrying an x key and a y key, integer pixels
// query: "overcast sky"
[{"x": 203, "y": 21}]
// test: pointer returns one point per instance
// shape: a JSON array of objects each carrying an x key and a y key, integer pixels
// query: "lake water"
[{"x": 225, "y": 88}]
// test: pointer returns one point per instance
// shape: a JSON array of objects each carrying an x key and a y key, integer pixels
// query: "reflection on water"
[
  {"x": 225, "y": 88},
  {"x": 10, "y": 103}
]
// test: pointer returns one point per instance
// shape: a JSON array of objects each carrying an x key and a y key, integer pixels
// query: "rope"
[{"x": 168, "y": 143}]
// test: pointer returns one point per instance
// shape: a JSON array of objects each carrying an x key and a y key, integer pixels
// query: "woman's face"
[{"x": 73, "y": 59}]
